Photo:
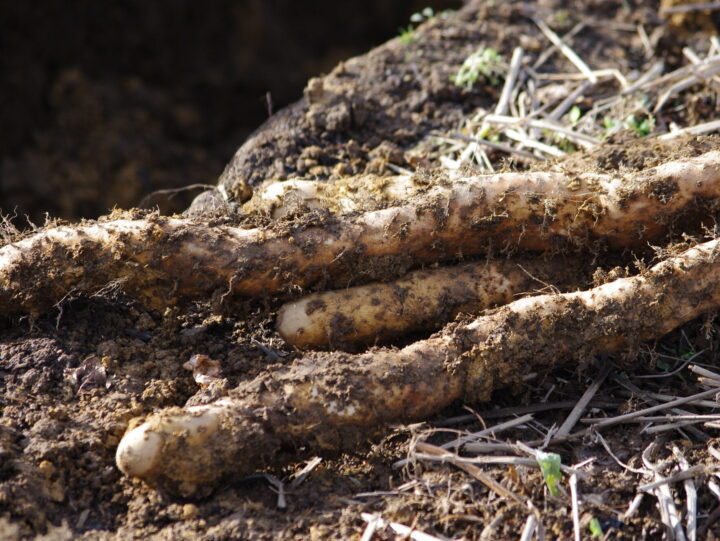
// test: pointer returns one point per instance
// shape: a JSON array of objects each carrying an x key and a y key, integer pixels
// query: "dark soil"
[
  {"x": 71, "y": 381},
  {"x": 103, "y": 105}
]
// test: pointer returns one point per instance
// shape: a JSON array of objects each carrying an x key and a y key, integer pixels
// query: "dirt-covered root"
[
  {"x": 424, "y": 300},
  {"x": 321, "y": 402},
  {"x": 332, "y": 401},
  {"x": 362, "y": 193},
  {"x": 163, "y": 261}
]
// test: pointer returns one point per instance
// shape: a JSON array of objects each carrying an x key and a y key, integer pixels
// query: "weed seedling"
[
  {"x": 550, "y": 468},
  {"x": 641, "y": 126},
  {"x": 407, "y": 34},
  {"x": 485, "y": 63}
]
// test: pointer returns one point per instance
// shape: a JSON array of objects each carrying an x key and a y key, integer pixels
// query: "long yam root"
[
  {"x": 360, "y": 193},
  {"x": 333, "y": 401},
  {"x": 423, "y": 300},
  {"x": 164, "y": 261}
]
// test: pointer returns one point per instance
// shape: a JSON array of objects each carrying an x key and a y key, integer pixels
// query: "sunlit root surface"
[
  {"x": 334, "y": 401},
  {"x": 421, "y": 301},
  {"x": 165, "y": 261}
]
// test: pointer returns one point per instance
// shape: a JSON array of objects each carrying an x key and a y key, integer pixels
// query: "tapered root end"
[
  {"x": 296, "y": 328},
  {"x": 139, "y": 451},
  {"x": 172, "y": 449}
]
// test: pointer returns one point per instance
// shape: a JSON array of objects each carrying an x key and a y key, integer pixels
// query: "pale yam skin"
[
  {"x": 333, "y": 401},
  {"x": 362, "y": 193},
  {"x": 166, "y": 261},
  {"x": 423, "y": 300}
]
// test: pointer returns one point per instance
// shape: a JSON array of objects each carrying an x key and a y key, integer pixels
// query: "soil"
[{"x": 72, "y": 380}]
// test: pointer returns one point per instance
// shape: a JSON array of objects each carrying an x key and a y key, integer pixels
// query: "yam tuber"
[
  {"x": 362, "y": 193},
  {"x": 332, "y": 401},
  {"x": 421, "y": 301},
  {"x": 164, "y": 261}
]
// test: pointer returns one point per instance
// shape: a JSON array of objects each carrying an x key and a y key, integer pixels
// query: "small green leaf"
[
  {"x": 486, "y": 63},
  {"x": 407, "y": 35},
  {"x": 641, "y": 127},
  {"x": 550, "y": 468},
  {"x": 574, "y": 114},
  {"x": 609, "y": 122},
  {"x": 595, "y": 529}
]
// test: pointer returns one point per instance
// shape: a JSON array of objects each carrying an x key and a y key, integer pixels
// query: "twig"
[
  {"x": 633, "y": 507},
  {"x": 575, "y": 506},
  {"x": 580, "y": 138},
  {"x": 669, "y": 426},
  {"x": 689, "y": 7},
  {"x": 542, "y": 58},
  {"x": 677, "y": 402},
  {"x": 679, "y": 417},
  {"x": 712, "y": 519},
  {"x": 645, "y": 40},
  {"x": 372, "y": 525},
  {"x": 691, "y": 493},
  {"x": 667, "y": 398},
  {"x": 566, "y": 50},
  {"x": 409, "y": 533},
  {"x": 532, "y": 143},
  {"x": 299, "y": 477},
  {"x": 700, "y": 371},
  {"x": 522, "y": 410},
  {"x": 587, "y": 396},
  {"x": 457, "y": 461},
  {"x": 668, "y": 511},
  {"x": 172, "y": 191},
  {"x": 695, "y": 59},
  {"x": 529, "y": 529},
  {"x": 627, "y": 467},
  {"x": 489, "y": 144},
  {"x": 474, "y": 436},
  {"x": 682, "y": 475},
  {"x": 650, "y": 75},
  {"x": 565, "y": 104},
  {"x": 502, "y": 104},
  {"x": 491, "y": 430},
  {"x": 704, "y": 72}
]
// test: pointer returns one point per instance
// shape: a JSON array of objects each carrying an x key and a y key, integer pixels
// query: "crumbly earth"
[{"x": 71, "y": 380}]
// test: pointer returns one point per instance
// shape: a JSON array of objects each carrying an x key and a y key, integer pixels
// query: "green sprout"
[
  {"x": 609, "y": 123},
  {"x": 485, "y": 63},
  {"x": 550, "y": 468},
  {"x": 574, "y": 114},
  {"x": 595, "y": 528},
  {"x": 641, "y": 126},
  {"x": 407, "y": 35}
]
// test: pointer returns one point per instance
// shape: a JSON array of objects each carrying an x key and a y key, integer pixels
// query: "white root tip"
[
  {"x": 139, "y": 451},
  {"x": 292, "y": 320}
]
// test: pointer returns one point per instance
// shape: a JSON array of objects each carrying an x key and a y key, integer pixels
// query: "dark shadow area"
[{"x": 103, "y": 103}]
